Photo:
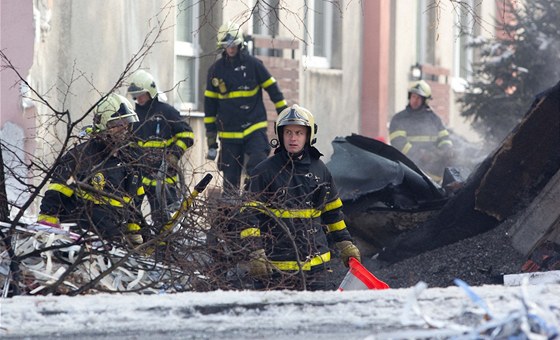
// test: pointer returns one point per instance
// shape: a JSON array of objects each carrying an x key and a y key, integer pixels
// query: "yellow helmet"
[
  {"x": 229, "y": 34},
  {"x": 142, "y": 82},
  {"x": 113, "y": 110},
  {"x": 296, "y": 115},
  {"x": 421, "y": 88}
]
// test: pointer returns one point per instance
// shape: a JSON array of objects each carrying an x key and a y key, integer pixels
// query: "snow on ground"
[{"x": 365, "y": 314}]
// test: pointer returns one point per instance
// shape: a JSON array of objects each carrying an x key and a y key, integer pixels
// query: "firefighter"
[
  {"x": 420, "y": 134},
  {"x": 295, "y": 211},
  {"x": 234, "y": 108},
  {"x": 94, "y": 183},
  {"x": 164, "y": 136}
]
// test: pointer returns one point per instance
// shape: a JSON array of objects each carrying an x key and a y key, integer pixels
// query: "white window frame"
[
  {"x": 262, "y": 24},
  {"x": 425, "y": 33},
  {"x": 459, "y": 81},
  {"x": 188, "y": 50},
  {"x": 309, "y": 58}
]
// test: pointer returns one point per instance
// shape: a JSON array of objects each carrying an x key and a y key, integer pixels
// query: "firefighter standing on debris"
[
  {"x": 94, "y": 184},
  {"x": 420, "y": 134},
  {"x": 234, "y": 108},
  {"x": 295, "y": 208},
  {"x": 164, "y": 136}
]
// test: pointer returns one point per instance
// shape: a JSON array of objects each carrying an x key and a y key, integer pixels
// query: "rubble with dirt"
[
  {"x": 479, "y": 260},
  {"x": 471, "y": 236}
]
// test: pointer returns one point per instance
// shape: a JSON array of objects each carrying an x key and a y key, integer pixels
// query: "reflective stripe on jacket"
[
  {"x": 92, "y": 174},
  {"x": 413, "y": 130},
  {"x": 161, "y": 130},
  {"x": 296, "y": 202},
  {"x": 233, "y": 100}
]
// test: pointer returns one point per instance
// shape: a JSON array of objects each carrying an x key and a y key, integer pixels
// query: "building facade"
[{"x": 348, "y": 62}]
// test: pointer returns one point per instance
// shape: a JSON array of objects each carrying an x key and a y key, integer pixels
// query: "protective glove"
[
  {"x": 133, "y": 235},
  {"x": 212, "y": 142},
  {"x": 172, "y": 161},
  {"x": 259, "y": 265},
  {"x": 48, "y": 220},
  {"x": 280, "y": 109},
  {"x": 212, "y": 154},
  {"x": 347, "y": 250}
]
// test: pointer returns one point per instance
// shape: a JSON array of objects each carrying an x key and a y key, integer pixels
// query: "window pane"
[
  {"x": 185, "y": 20},
  {"x": 319, "y": 29},
  {"x": 185, "y": 74},
  {"x": 265, "y": 22},
  {"x": 336, "y": 40},
  {"x": 265, "y": 18},
  {"x": 466, "y": 25}
]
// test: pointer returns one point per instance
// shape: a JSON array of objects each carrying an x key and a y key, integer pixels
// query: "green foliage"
[{"x": 514, "y": 68}]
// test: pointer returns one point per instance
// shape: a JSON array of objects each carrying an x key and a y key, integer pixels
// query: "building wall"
[
  {"x": 79, "y": 55},
  {"x": 16, "y": 112},
  {"x": 16, "y": 43},
  {"x": 84, "y": 55}
]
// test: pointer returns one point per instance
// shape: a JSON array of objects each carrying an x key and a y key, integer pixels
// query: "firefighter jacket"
[
  {"x": 94, "y": 183},
  {"x": 413, "y": 131},
  {"x": 233, "y": 102},
  {"x": 161, "y": 131},
  {"x": 295, "y": 203}
]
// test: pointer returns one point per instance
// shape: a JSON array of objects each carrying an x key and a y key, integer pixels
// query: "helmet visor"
[
  {"x": 121, "y": 121},
  {"x": 293, "y": 117},
  {"x": 134, "y": 89},
  {"x": 228, "y": 41},
  {"x": 123, "y": 116}
]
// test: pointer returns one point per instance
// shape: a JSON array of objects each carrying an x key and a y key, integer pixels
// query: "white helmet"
[
  {"x": 421, "y": 88},
  {"x": 142, "y": 82},
  {"x": 114, "y": 110},
  {"x": 229, "y": 34},
  {"x": 296, "y": 115}
]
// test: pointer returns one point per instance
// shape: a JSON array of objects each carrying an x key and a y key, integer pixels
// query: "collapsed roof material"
[{"x": 504, "y": 184}]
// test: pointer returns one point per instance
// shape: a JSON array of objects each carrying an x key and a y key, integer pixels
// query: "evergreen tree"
[{"x": 513, "y": 69}]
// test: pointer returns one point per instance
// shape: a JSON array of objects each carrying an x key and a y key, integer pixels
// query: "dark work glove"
[{"x": 280, "y": 109}]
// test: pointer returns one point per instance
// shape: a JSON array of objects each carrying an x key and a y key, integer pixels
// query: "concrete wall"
[{"x": 84, "y": 54}]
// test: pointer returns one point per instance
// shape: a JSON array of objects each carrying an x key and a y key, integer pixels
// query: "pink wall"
[
  {"x": 375, "y": 66},
  {"x": 16, "y": 41}
]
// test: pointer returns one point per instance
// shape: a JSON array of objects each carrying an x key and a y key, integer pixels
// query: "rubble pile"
[{"x": 69, "y": 266}]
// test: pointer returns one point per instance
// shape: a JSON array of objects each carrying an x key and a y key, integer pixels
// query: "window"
[
  {"x": 465, "y": 30},
  {"x": 426, "y": 36},
  {"x": 323, "y": 32},
  {"x": 186, "y": 53},
  {"x": 265, "y": 22}
]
